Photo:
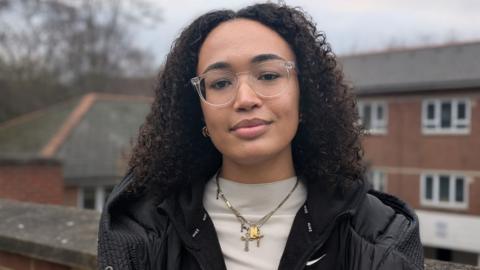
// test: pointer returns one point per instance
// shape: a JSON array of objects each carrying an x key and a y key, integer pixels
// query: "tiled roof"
[
  {"x": 90, "y": 135},
  {"x": 97, "y": 146},
  {"x": 451, "y": 66},
  {"x": 28, "y": 134}
]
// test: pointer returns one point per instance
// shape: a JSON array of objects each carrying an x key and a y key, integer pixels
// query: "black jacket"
[{"x": 360, "y": 230}]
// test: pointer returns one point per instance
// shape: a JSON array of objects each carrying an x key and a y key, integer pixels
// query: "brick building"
[
  {"x": 32, "y": 179},
  {"x": 421, "y": 108},
  {"x": 89, "y": 137}
]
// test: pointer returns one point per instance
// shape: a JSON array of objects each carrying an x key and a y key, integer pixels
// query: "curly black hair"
[{"x": 171, "y": 152}]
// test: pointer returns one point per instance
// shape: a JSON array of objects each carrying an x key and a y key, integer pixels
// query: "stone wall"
[
  {"x": 40, "y": 237},
  {"x": 48, "y": 236},
  {"x": 439, "y": 265}
]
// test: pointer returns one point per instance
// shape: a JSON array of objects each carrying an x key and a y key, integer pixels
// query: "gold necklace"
[{"x": 252, "y": 229}]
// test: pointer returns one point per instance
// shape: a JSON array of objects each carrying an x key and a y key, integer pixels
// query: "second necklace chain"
[{"x": 252, "y": 229}]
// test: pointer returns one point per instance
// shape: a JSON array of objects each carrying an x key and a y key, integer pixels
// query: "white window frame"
[
  {"x": 80, "y": 197},
  {"x": 99, "y": 197},
  {"x": 435, "y": 201},
  {"x": 377, "y": 126},
  {"x": 377, "y": 178},
  {"x": 436, "y": 122}
]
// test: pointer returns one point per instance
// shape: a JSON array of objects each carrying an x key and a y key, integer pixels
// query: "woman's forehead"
[{"x": 238, "y": 41}]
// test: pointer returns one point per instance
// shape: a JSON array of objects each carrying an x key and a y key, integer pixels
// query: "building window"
[
  {"x": 373, "y": 116},
  {"x": 444, "y": 190},
  {"x": 94, "y": 197},
  {"x": 378, "y": 179},
  {"x": 88, "y": 197},
  {"x": 440, "y": 116}
]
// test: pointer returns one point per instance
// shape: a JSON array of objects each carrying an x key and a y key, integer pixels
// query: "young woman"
[{"x": 250, "y": 159}]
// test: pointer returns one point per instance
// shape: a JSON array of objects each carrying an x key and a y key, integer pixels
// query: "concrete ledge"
[
  {"x": 58, "y": 234},
  {"x": 68, "y": 236},
  {"x": 440, "y": 265}
]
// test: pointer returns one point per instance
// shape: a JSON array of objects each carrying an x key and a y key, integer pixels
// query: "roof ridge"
[
  {"x": 101, "y": 96},
  {"x": 31, "y": 115},
  {"x": 123, "y": 97},
  {"x": 73, "y": 119},
  {"x": 412, "y": 48},
  {"x": 77, "y": 115}
]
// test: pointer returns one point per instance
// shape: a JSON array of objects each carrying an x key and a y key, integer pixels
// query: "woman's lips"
[{"x": 251, "y": 132}]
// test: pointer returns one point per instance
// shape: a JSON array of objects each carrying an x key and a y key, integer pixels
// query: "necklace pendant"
[
  {"x": 246, "y": 239},
  {"x": 254, "y": 232}
]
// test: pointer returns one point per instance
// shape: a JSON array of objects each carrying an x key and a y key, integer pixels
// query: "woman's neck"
[{"x": 268, "y": 170}]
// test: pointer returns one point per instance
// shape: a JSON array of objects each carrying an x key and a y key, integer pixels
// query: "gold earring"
[{"x": 205, "y": 132}]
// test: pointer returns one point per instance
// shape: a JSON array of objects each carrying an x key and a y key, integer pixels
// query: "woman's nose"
[{"x": 246, "y": 98}]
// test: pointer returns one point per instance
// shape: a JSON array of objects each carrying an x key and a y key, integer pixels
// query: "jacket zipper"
[
  {"x": 320, "y": 242},
  {"x": 191, "y": 250},
  {"x": 195, "y": 255}
]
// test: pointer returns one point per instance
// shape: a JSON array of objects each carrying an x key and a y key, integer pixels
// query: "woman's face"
[{"x": 269, "y": 124}]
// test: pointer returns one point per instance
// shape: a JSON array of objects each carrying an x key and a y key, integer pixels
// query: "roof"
[
  {"x": 451, "y": 66},
  {"x": 27, "y": 134},
  {"x": 91, "y": 135},
  {"x": 60, "y": 234}
]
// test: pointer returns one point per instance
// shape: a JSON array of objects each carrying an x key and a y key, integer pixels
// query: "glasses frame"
[{"x": 289, "y": 65}]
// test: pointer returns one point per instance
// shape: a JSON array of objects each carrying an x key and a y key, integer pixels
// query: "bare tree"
[{"x": 50, "y": 49}]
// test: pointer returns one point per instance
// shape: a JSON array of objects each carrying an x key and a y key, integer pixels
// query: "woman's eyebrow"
[
  {"x": 217, "y": 65},
  {"x": 264, "y": 57},
  {"x": 255, "y": 60}
]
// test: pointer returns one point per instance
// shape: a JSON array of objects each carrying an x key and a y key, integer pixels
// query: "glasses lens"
[
  {"x": 218, "y": 87},
  {"x": 270, "y": 78}
]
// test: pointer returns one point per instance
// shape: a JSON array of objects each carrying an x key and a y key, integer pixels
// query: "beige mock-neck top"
[{"x": 253, "y": 201}]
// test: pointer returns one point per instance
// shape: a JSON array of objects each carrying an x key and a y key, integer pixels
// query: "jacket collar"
[
  {"x": 194, "y": 226},
  {"x": 312, "y": 223},
  {"x": 315, "y": 220},
  {"x": 324, "y": 203}
]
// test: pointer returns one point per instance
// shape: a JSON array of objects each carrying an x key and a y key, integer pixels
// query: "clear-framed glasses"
[{"x": 268, "y": 79}]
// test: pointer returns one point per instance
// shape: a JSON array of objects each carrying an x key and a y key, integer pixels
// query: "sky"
[{"x": 351, "y": 26}]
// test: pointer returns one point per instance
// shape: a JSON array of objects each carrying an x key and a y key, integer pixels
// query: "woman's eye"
[
  {"x": 268, "y": 76},
  {"x": 220, "y": 84}
]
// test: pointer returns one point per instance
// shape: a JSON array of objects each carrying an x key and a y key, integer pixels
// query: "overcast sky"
[{"x": 352, "y": 26}]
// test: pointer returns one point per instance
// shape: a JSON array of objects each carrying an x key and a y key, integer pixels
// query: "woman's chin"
[{"x": 253, "y": 155}]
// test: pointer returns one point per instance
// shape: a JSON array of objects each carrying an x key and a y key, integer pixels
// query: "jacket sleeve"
[
  {"x": 403, "y": 234},
  {"x": 384, "y": 236},
  {"x": 404, "y": 249},
  {"x": 123, "y": 241},
  {"x": 119, "y": 247}
]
